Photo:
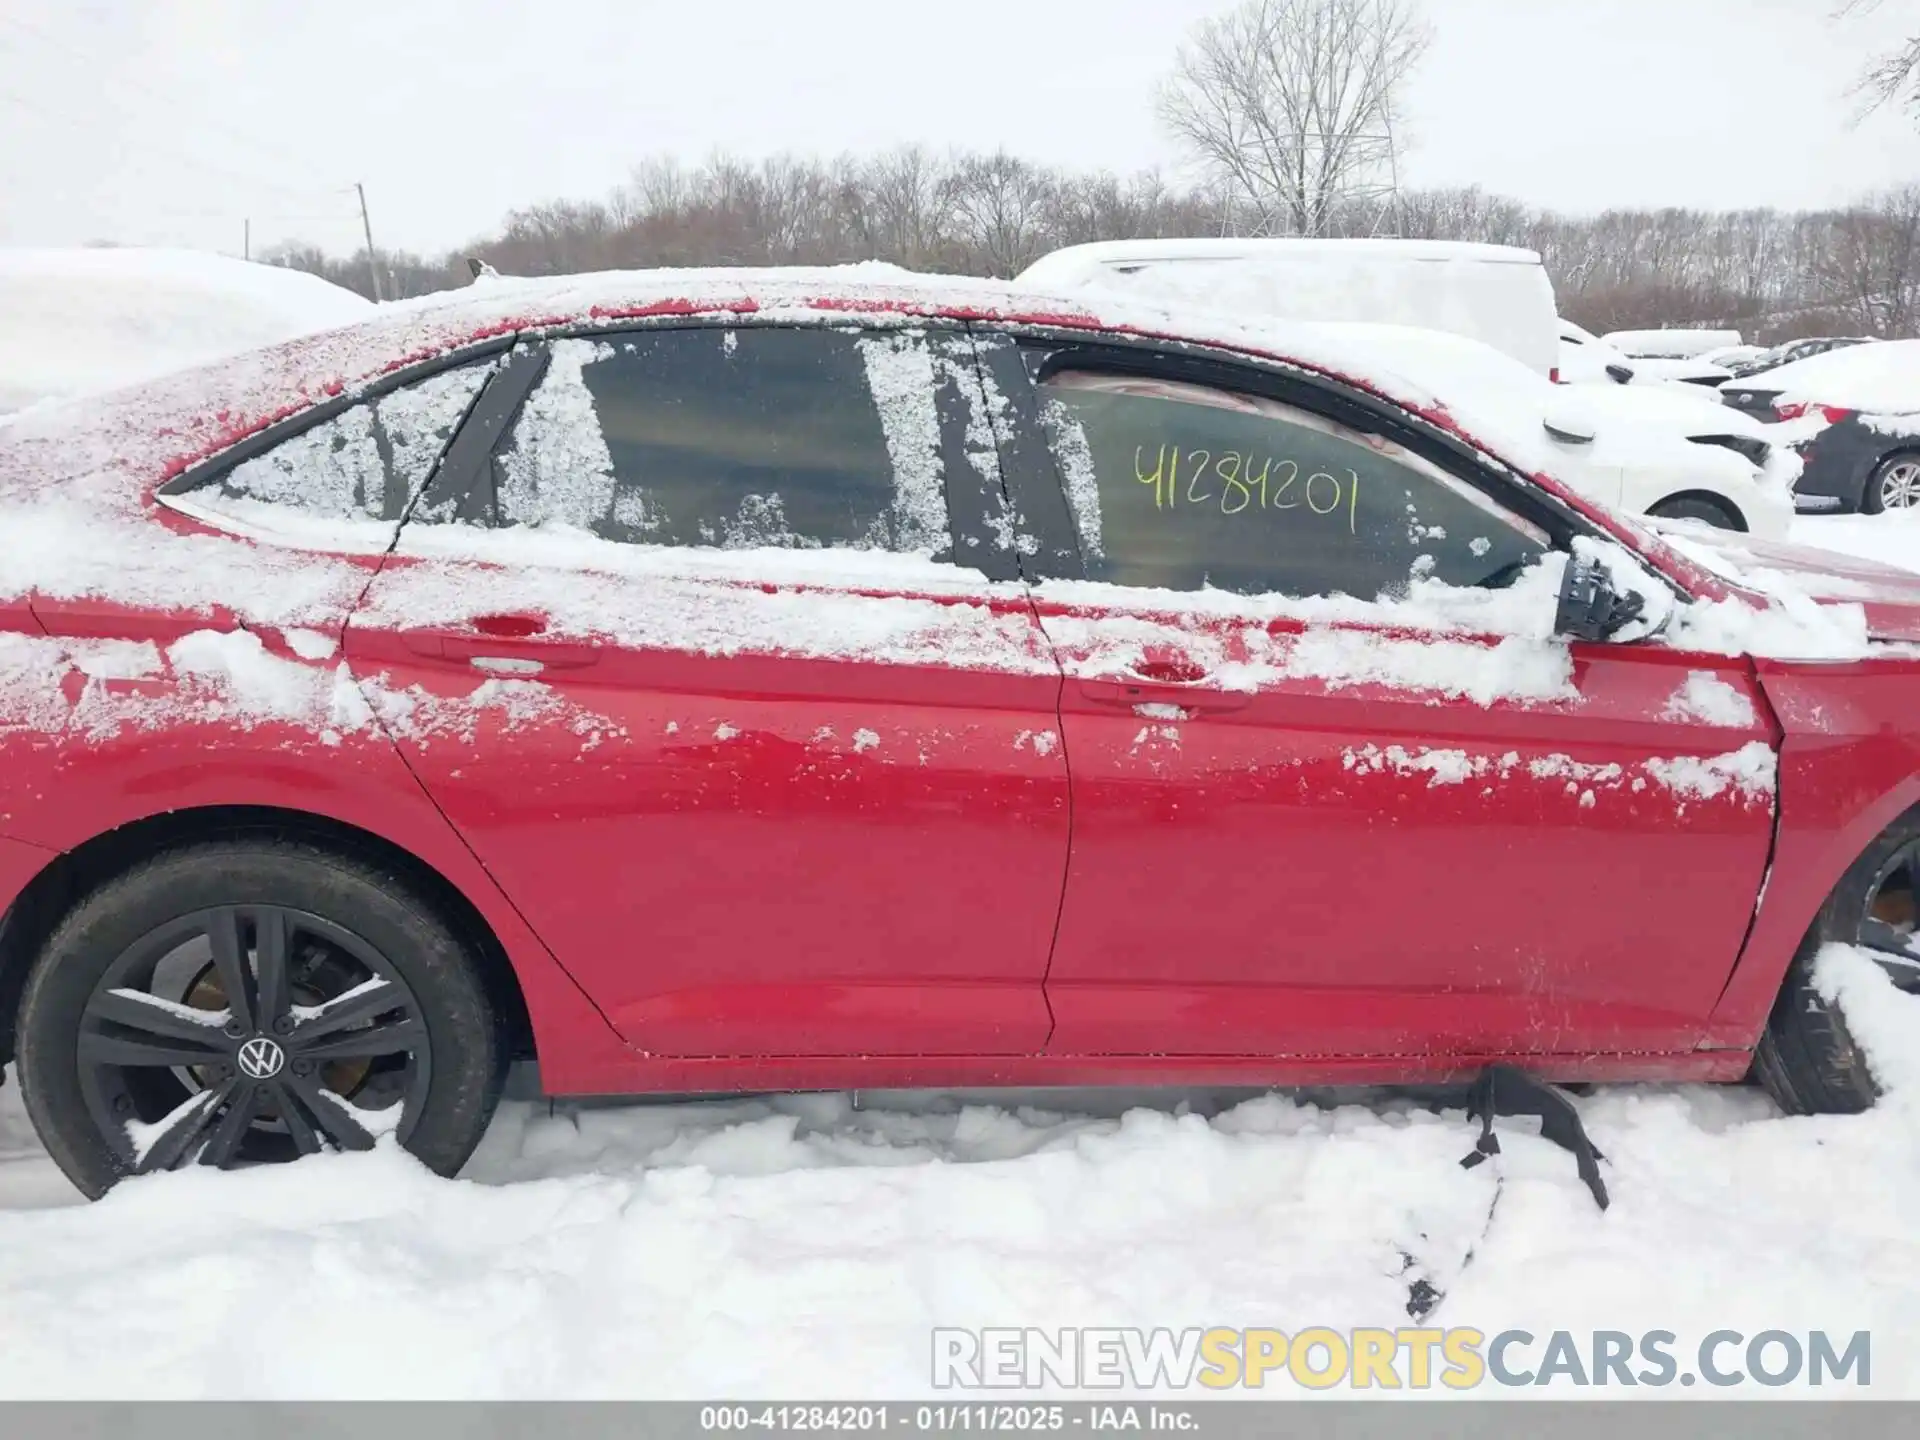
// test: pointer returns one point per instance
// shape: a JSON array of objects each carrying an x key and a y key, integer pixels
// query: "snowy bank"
[{"x": 79, "y": 321}]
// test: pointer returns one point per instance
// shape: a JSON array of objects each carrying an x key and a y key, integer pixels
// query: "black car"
[
  {"x": 1861, "y": 459},
  {"x": 1791, "y": 351},
  {"x": 1860, "y": 462}
]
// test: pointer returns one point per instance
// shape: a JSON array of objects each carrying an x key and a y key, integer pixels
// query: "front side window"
[
  {"x": 734, "y": 439},
  {"x": 1185, "y": 487},
  {"x": 365, "y": 463}
]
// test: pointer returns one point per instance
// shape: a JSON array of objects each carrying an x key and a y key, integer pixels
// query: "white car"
[
  {"x": 1586, "y": 358},
  {"x": 1487, "y": 316},
  {"x": 1676, "y": 344},
  {"x": 1658, "y": 450},
  {"x": 77, "y": 321}
]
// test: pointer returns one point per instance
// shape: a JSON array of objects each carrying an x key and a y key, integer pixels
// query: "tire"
[
  {"x": 120, "y": 1074},
  {"x": 1894, "y": 485},
  {"x": 1807, "y": 1059},
  {"x": 1698, "y": 507}
]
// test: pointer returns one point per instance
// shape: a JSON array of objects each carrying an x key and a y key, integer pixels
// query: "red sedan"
[{"x": 713, "y": 682}]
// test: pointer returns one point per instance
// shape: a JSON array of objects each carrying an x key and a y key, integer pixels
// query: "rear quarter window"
[{"x": 366, "y": 463}]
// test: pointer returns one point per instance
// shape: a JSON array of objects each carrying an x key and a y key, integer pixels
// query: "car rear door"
[
  {"x": 710, "y": 641},
  {"x": 1314, "y": 826}
]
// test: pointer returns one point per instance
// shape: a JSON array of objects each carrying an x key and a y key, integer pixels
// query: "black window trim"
[
  {"x": 205, "y": 472},
  {"x": 465, "y": 469}
]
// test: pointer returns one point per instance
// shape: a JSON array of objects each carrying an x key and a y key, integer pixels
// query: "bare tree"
[
  {"x": 1001, "y": 202},
  {"x": 1870, "y": 268},
  {"x": 1775, "y": 275},
  {"x": 1296, "y": 102},
  {"x": 1893, "y": 76}
]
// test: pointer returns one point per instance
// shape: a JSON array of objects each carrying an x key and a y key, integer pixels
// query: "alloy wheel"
[
  {"x": 250, "y": 1033},
  {"x": 1890, "y": 918},
  {"x": 1900, "y": 484}
]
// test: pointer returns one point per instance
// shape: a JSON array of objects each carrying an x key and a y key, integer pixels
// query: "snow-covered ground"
[
  {"x": 1892, "y": 538},
  {"x": 805, "y": 1246}
]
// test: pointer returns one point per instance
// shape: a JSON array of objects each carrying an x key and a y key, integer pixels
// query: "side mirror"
[
  {"x": 1591, "y": 607},
  {"x": 1569, "y": 423},
  {"x": 1620, "y": 374}
]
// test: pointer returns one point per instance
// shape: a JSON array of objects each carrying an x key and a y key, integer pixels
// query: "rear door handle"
[
  {"x": 502, "y": 654},
  {"x": 1191, "y": 696}
]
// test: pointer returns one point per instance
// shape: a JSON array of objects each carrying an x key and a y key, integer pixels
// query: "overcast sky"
[{"x": 169, "y": 121}]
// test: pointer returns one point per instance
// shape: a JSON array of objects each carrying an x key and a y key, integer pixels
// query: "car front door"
[
  {"x": 710, "y": 641},
  {"x": 1312, "y": 823}
]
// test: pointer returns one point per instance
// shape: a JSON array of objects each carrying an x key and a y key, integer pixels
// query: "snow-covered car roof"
[
  {"x": 152, "y": 432},
  {"x": 1674, "y": 344},
  {"x": 1111, "y": 252},
  {"x": 1881, "y": 377},
  {"x": 79, "y": 321}
]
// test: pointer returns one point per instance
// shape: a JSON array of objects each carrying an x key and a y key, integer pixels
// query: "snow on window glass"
[
  {"x": 900, "y": 375},
  {"x": 1075, "y": 458},
  {"x": 418, "y": 420},
  {"x": 735, "y": 439},
  {"x": 363, "y": 464},
  {"x": 333, "y": 469},
  {"x": 556, "y": 469}
]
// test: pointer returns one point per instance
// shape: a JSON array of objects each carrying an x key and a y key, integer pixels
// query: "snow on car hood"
[
  {"x": 1687, "y": 410},
  {"x": 1791, "y": 573},
  {"x": 1647, "y": 426}
]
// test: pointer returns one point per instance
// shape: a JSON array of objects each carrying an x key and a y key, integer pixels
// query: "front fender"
[{"x": 1849, "y": 767}]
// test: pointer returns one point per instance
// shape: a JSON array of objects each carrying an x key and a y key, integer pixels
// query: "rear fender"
[{"x": 110, "y": 752}]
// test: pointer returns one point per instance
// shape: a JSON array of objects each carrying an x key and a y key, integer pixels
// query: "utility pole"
[
  {"x": 246, "y": 238},
  {"x": 366, "y": 226}
]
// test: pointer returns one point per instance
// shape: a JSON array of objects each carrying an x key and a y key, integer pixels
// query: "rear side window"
[
  {"x": 365, "y": 463},
  {"x": 734, "y": 439},
  {"x": 1185, "y": 487}
]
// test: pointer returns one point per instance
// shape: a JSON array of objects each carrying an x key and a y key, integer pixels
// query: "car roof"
[
  {"x": 1077, "y": 258},
  {"x": 155, "y": 430},
  {"x": 120, "y": 448},
  {"x": 80, "y": 473}
]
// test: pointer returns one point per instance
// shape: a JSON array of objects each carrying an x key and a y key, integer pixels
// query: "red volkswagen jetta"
[{"x": 721, "y": 681}]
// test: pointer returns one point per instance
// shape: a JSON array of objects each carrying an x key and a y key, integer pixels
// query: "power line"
[
  {"x": 143, "y": 141},
  {"x": 127, "y": 82}
]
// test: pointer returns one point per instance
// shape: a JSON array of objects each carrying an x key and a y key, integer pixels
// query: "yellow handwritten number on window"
[{"x": 1240, "y": 489}]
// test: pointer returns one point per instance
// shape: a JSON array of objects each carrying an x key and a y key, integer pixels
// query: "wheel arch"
[
  {"x": 70, "y": 875},
  {"x": 1823, "y": 826},
  {"x": 1724, "y": 504}
]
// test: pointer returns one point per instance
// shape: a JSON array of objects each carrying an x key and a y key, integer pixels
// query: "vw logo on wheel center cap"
[{"x": 261, "y": 1058}]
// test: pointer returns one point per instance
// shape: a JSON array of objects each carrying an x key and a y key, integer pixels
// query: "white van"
[{"x": 1495, "y": 294}]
